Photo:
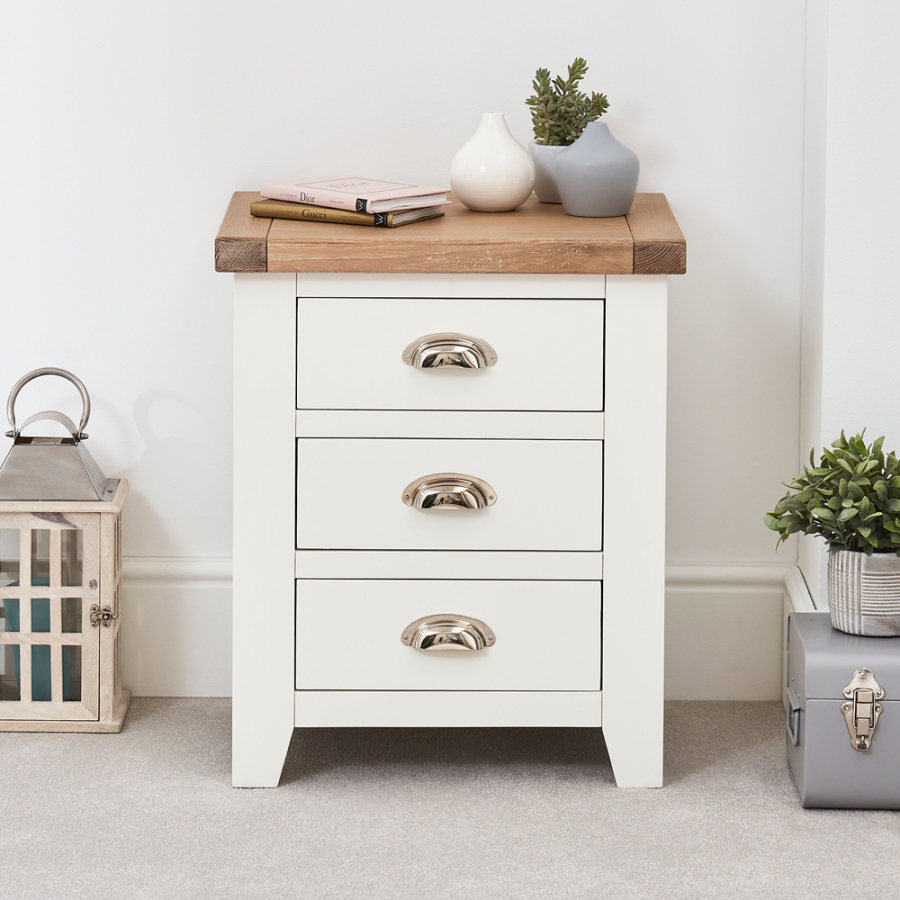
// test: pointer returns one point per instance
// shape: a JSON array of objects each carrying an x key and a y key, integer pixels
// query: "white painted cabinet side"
[
  {"x": 264, "y": 425},
  {"x": 634, "y": 528}
]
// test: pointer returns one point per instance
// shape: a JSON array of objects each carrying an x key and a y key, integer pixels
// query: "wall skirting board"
[
  {"x": 724, "y": 627},
  {"x": 176, "y": 627}
]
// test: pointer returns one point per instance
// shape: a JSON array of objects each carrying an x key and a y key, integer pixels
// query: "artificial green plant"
[
  {"x": 559, "y": 110},
  {"x": 851, "y": 499}
]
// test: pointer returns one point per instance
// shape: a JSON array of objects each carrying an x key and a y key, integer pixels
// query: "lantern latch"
[{"x": 105, "y": 615}]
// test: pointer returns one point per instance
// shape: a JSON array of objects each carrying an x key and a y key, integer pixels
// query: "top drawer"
[{"x": 549, "y": 354}]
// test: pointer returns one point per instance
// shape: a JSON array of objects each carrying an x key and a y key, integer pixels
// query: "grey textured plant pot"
[
  {"x": 864, "y": 592},
  {"x": 597, "y": 176},
  {"x": 544, "y": 158}
]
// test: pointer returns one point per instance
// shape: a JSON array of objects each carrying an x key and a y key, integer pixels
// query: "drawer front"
[
  {"x": 549, "y": 354},
  {"x": 350, "y": 495},
  {"x": 547, "y": 635}
]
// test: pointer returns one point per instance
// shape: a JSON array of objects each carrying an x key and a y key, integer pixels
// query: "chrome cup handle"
[
  {"x": 460, "y": 351},
  {"x": 449, "y": 490},
  {"x": 448, "y": 631},
  {"x": 59, "y": 417}
]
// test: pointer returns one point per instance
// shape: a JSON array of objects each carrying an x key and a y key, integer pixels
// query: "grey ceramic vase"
[{"x": 597, "y": 176}]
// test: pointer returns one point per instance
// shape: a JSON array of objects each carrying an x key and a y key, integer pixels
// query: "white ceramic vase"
[{"x": 492, "y": 171}]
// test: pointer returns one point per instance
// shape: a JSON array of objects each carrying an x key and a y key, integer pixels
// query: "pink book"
[{"x": 365, "y": 195}]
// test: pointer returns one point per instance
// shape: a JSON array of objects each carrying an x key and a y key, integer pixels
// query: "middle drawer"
[{"x": 547, "y": 495}]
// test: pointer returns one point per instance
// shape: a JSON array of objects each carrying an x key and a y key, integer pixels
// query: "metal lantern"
[{"x": 60, "y": 574}]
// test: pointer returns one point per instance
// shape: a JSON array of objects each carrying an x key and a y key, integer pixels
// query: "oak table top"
[{"x": 535, "y": 238}]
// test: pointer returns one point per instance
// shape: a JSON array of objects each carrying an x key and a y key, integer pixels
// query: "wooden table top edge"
[{"x": 657, "y": 243}]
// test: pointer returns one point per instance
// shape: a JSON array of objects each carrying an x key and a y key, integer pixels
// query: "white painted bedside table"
[{"x": 443, "y": 436}]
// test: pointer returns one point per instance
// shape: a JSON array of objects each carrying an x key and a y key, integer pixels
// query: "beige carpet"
[{"x": 396, "y": 814}]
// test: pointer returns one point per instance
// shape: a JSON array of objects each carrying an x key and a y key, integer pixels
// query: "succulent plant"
[
  {"x": 559, "y": 110},
  {"x": 851, "y": 499}
]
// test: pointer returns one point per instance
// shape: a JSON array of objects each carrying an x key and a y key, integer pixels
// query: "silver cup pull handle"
[
  {"x": 448, "y": 349},
  {"x": 448, "y": 631},
  {"x": 449, "y": 490}
]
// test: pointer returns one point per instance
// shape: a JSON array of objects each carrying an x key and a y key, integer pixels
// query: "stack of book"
[{"x": 349, "y": 200}]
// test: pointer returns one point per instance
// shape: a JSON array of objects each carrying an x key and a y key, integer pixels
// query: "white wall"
[
  {"x": 850, "y": 284},
  {"x": 126, "y": 127}
]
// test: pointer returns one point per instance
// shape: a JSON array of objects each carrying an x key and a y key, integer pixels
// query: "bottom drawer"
[{"x": 547, "y": 635}]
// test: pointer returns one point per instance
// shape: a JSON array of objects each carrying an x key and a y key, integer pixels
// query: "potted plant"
[
  {"x": 560, "y": 111},
  {"x": 852, "y": 500}
]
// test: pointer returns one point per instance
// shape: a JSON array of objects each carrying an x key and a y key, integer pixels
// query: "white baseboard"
[
  {"x": 723, "y": 628},
  {"x": 723, "y": 631},
  {"x": 176, "y": 627}
]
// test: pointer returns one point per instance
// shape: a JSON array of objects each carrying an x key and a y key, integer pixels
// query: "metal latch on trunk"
[{"x": 861, "y": 712}]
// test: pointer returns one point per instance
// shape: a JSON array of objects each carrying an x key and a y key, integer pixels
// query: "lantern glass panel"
[
  {"x": 72, "y": 558},
  {"x": 71, "y": 663},
  {"x": 9, "y": 654},
  {"x": 40, "y": 614},
  {"x": 9, "y": 556},
  {"x": 9, "y": 614},
  {"x": 71, "y": 615},
  {"x": 40, "y": 556},
  {"x": 40, "y": 672}
]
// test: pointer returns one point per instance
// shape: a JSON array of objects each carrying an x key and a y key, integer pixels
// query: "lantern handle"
[{"x": 49, "y": 370}]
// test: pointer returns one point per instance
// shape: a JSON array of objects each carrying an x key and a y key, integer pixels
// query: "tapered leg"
[
  {"x": 264, "y": 504},
  {"x": 634, "y": 527}
]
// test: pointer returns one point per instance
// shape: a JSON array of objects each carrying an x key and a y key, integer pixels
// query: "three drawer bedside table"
[{"x": 447, "y": 439}]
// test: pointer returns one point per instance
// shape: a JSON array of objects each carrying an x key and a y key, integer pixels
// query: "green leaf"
[
  {"x": 560, "y": 110},
  {"x": 851, "y": 499}
]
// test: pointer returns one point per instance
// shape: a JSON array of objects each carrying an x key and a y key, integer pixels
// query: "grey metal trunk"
[{"x": 829, "y": 771}]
